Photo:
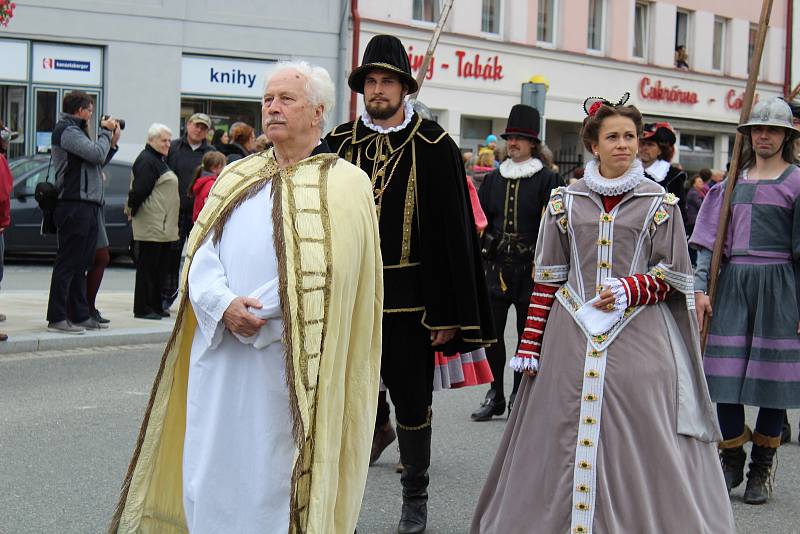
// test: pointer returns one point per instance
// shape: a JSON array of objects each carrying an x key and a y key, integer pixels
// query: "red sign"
[
  {"x": 469, "y": 65},
  {"x": 735, "y": 102},
  {"x": 657, "y": 91}
]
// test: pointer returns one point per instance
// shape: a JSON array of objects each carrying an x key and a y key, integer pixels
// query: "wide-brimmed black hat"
[
  {"x": 383, "y": 52},
  {"x": 659, "y": 132},
  {"x": 523, "y": 121}
]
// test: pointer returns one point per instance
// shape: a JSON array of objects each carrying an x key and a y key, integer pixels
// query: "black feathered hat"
[
  {"x": 659, "y": 132},
  {"x": 383, "y": 52},
  {"x": 523, "y": 121}
]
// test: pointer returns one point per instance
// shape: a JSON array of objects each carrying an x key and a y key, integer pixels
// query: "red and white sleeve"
[
  {"x": 641, "y": 289},
  {"x": 530, "y": 345}
]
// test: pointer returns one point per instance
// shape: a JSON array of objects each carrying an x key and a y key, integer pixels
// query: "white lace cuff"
[
  {"x": 615, "y": 285},
  {"x": 524, "y": 364}
]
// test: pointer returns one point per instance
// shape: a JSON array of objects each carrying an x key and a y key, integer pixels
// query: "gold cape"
[{"x": 331, "y": 292}]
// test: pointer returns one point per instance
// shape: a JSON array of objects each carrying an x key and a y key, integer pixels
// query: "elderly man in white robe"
[{"x": 267, "y": 384}]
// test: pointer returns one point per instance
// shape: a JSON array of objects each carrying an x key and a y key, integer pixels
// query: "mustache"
[{"x": 276, "y": 120}]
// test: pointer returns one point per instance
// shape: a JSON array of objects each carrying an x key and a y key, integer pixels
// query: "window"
[
  {"x": 594, "y": 39},
  {"x": 641, "y": 26},
  {"x": 751, "y": 44},
  {"x": 426, "y": 10},
  {"x": 490, "y": 16},
  {"x": 682, "y": 28},
  {"x": 546, "y": 21},
  {"x": 718, "y": 48},
  {"x": 473, "y": 128}
]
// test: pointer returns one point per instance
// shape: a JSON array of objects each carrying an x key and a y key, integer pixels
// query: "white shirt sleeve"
[{"x": 209, "y": 292}]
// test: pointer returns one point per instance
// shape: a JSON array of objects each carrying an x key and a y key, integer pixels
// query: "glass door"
[
  {"x": 44, "y": 118},
  {"x": 12, "y": 110}
]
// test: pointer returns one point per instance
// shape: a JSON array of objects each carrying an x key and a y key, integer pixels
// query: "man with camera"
[{"x": 78, "y": 162}]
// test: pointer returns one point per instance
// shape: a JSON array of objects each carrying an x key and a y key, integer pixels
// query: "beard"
[{"x": 382, "y": 110}]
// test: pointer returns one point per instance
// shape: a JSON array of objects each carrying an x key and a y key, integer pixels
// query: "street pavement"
[{"x": 69, "y": 419}]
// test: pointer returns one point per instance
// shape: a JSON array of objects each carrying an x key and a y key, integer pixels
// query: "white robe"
[{"x": 238, "y": 447}]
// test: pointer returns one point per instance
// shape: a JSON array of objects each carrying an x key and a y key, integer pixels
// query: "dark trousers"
[
  {"x": 509, "y": 284},
  {"x": 151, "y": 260},
  {"x": 172, "y": 267},
  {"x": 407, "y": 366},
  {"x": 731, "y": 421},
  {"x": 77, "y": 241}
]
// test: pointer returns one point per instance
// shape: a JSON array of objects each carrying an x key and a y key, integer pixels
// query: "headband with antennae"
[{"x": 592, "y": 104}]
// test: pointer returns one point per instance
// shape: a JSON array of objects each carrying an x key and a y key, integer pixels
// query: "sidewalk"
[{"x": 26, "y": 325}]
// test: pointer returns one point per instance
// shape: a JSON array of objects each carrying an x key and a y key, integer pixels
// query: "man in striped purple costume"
[{"x": 753, "y": 352}]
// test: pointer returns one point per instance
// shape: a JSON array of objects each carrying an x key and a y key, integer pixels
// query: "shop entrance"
[
  {"x": 47, "y": 106},
  {"x": 223, "y": 113}
]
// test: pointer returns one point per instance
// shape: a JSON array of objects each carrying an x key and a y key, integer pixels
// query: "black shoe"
[
  {"x": 733, "y": 461},
  {"x": 760, "y": 474},
  {"x": 152, "y": 316},
  {"x": 415, "y": 454},
  {"x": 99, "y": 318},
  {"x": 163, "y": 313},
  {"x": 490, "y": 407},
  {"x": 786, "y": 435}
]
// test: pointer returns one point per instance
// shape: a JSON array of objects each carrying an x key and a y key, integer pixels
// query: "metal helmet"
[{"x": 773, "y": 111}]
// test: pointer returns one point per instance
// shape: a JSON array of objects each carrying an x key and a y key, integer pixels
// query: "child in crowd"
[{"x": 204, "y": 178}]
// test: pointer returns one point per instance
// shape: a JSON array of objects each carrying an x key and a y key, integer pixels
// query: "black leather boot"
[
  {"x": 733, "y": 458},
  {"x": 760, "y": 474},
  {"x": 491, "y": 406},
  {"x": 415, "y": 454},
  {"x": 786, "y": 435}
]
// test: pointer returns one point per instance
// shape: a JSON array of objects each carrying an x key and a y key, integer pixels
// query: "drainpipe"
[
  {"x": 356, "y": 38},
  {"x": 787, "y": 73}
]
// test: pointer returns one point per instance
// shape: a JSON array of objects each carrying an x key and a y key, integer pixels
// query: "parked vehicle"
[{"x": 24, "y": 236}]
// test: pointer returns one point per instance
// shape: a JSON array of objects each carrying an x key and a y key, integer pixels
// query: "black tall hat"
[
  {"x": 523, "y": 121},
  {"x": 383, "y": 52}
]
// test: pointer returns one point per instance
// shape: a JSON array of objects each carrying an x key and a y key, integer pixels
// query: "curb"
[{"x": 52, "y": 341}]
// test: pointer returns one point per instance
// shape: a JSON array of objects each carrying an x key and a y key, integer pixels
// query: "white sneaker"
[{"x": 65, "y": 327}]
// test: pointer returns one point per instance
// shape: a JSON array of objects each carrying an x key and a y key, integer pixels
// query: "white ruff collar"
[
  {"x": 367, "y": 120},
  {"x": 509, "y": 169},
  {"x": 658, "y": 170},
  {"x": 613, "y": 186}
]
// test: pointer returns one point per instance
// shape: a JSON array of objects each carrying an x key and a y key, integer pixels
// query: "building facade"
[
  {"x": 589, "y": 48},
  {"x": 157, "y": 60}
]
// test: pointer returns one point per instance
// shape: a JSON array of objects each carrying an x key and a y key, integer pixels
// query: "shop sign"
[
  {"x": 65, "y": 64},
  {"x": 223, "y": 77},
  {"x": 14, "y": 65},
  {"x": 467, "y": 64},
  {"x": 658, "y": 92},
  {"x": 735, "y": 102}
]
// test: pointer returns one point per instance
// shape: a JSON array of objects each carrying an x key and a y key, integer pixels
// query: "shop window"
[
  {"x": 490, "y": 16},
  {"x": 223, "y": 113},
  {"x": 594, "y": 38},
  {"x": 696, "y": 152},
  {"x": 426, "y": 10},
  {"x": 45, "y": 118},
  {"x": 545, "y": 29},
  {"x": 718, "y": 48},
  {"x": 641, "y": 29},
  {"x": 475, "y": 128},
  {"x": 12, "y": 109}
]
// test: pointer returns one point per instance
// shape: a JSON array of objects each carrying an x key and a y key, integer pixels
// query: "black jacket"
[
  {"x": 675, "y": 182},
  {"x": 429, "y": 245},
  {"x": 184, "y": 161},
  {"x": 147, "y": 169}
]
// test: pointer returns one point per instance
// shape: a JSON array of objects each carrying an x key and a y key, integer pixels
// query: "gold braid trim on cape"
[{"x": 151, "y": 498}]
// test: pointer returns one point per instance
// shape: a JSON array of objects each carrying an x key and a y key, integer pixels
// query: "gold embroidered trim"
[{"x": 408, "y": 208}]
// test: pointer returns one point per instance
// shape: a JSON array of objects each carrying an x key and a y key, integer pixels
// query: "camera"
[{"x": 121, "y": 122}]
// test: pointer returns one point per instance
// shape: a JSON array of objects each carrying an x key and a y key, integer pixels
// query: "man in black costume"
[
  {"x": 512, "y": 197},
  {"x": 656, "y": 150},
  {"x": 434, "y": 289}
]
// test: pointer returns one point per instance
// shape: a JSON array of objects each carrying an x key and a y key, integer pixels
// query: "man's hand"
[
  {"x": 109, "y": 124},
  {"x": 702, "y": 306},
  {"x": 440, "y": 337},
  {"x": 116, "y": 135},
  {"x": 240, "y": 321},
  {"x": 606, "y": 302}
]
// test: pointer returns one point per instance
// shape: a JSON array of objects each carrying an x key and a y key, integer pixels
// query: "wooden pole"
[
  {"x": 733, "y": 172},
  {"x": 448, "y": 5},
  {"x": 794, "y": 93}
]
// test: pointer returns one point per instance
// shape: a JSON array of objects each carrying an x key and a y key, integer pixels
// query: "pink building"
[{"x": 589, "y": 48}]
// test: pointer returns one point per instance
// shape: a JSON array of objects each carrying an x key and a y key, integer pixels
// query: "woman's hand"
[
  {"x": 702, "y": 306},
  {"x": 531, "y": 373},
  {"x": 606, "y": 302}
]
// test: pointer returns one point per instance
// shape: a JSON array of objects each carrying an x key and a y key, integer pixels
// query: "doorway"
[{"x": 47, "y": 105}]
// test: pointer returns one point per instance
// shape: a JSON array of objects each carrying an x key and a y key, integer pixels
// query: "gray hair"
[
  {"x": 156, "y": 129},
  {"x": 319, "y": 87}
]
